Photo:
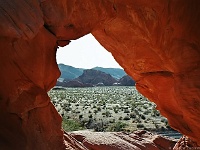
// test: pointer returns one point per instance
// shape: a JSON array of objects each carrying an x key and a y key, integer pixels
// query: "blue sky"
[{"x": 86, "y": 53}]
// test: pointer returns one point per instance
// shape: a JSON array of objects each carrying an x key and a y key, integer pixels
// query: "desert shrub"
[
  {"x": 78, "y": 112},
  {"x": 137, "y": 112},
  {"x": 90, "y": 116},
  {"x": 132, "y": 115},
  {"x": 73, "y": 111},
  {"x": 67, "y": 108},
  {"x": 110, "y": 108},
  {"x": 74, "y": 102},
  {"x": 147, "y": 112},
  {"x": 95, "y": 111},
  {"x": 71, "y": 125},
  {"x": 62, "y": 96},
  {"x": 108, "y": 114},
  {"x": 142, "y": 117},
  {"x": 126, "y": 118},
  {"x": 140, "y": 125},
  {"x": 83, "y": 121},
  {"x": 98, "y": 108},
  {"x": 138, "y": 120},
  {"x": 99, "y": 127},
  {"x": 116, "y": 111},
  {"x": 126, "y": 111},
  {"x": 116, "y": 127},
  {"x": 111, "y": 120},
  {"x": 164, "y": 120},
  {"x": 162, "y": 128},
  {"x": 155, "y": 112},
  {"x": 128, "y": 98},
  {"x": 145, "y": 106},
  {"x": 156, "y": 125},
  {"x": 80, "y": 116},
  {"x": 132, "y": 108},
  {"x": 120, "y": 118}
]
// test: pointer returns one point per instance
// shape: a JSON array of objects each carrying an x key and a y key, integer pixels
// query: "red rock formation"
[
  {"x": 158, "y": 45},
  {"x": 140, "y": 140},
  {"x": 185, "y": 143},
  {"x": 156, "y": 42},
  {"x": 94, "y": 77}
]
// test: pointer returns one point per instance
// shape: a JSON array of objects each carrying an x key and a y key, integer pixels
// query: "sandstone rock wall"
[
  {"x": 28, "y": 70},
  {"x": 157, "y": 43},
  {"x": 140, "y": 140}
]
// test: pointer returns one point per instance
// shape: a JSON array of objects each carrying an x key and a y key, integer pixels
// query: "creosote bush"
[
  {"x": 126, "y": 118},
  {"x": 140, "y": 125},
  {"x": 71, "y": 125},
  {"x": 117, "y": 126}
]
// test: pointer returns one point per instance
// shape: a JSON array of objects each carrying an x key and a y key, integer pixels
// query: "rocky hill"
[
  {"x": 69, "y": 72},
  {"x": 96, "y": 77},
  {"x": 114, "y": 72},
  {"x": 126, "y": 80}
]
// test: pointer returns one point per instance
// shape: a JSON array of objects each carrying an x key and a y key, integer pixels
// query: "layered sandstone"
[
  {"x": 157, "y": 43},
  {"x": 140, "y": 140}
]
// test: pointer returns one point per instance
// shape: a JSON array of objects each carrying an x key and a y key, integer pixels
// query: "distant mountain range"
[
  {"x": 114, "y": 72},
  {"x": 69, "y": 72},
  {"x": 98, "y": 76}
]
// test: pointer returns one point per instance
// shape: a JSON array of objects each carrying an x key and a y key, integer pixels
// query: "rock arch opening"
[{"x": 93, "y": 106}]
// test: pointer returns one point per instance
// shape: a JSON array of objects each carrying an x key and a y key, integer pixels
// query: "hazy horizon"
[
  {"x": 86, "y": 53},
  {"x": 90, "y": 68}
]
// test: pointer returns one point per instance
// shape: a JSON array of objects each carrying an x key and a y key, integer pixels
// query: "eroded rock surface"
[
  {"x": 156, "y": 42},
  {"x": 94, "y": 77},
  {"x": 140, "y": 140},
  {"x": 185, "y": 143}
]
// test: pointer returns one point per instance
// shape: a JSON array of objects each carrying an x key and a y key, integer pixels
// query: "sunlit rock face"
[
  {"x": 157, "y": 43},
  {"x": 139, "y": 140}
]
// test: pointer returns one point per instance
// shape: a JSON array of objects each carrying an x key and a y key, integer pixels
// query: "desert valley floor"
[{"x": 114, "y": 108}]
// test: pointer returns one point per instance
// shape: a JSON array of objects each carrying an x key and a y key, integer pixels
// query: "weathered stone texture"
[{"x": 156, "y": 42}]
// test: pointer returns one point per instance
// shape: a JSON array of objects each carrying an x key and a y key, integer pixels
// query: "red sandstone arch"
[{"x": 157, "y": 43}]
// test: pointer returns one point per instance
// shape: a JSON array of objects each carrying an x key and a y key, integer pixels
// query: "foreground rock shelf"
[
  {"x": 140, "y": 140},
  {"x": 157, "y": 43}
]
